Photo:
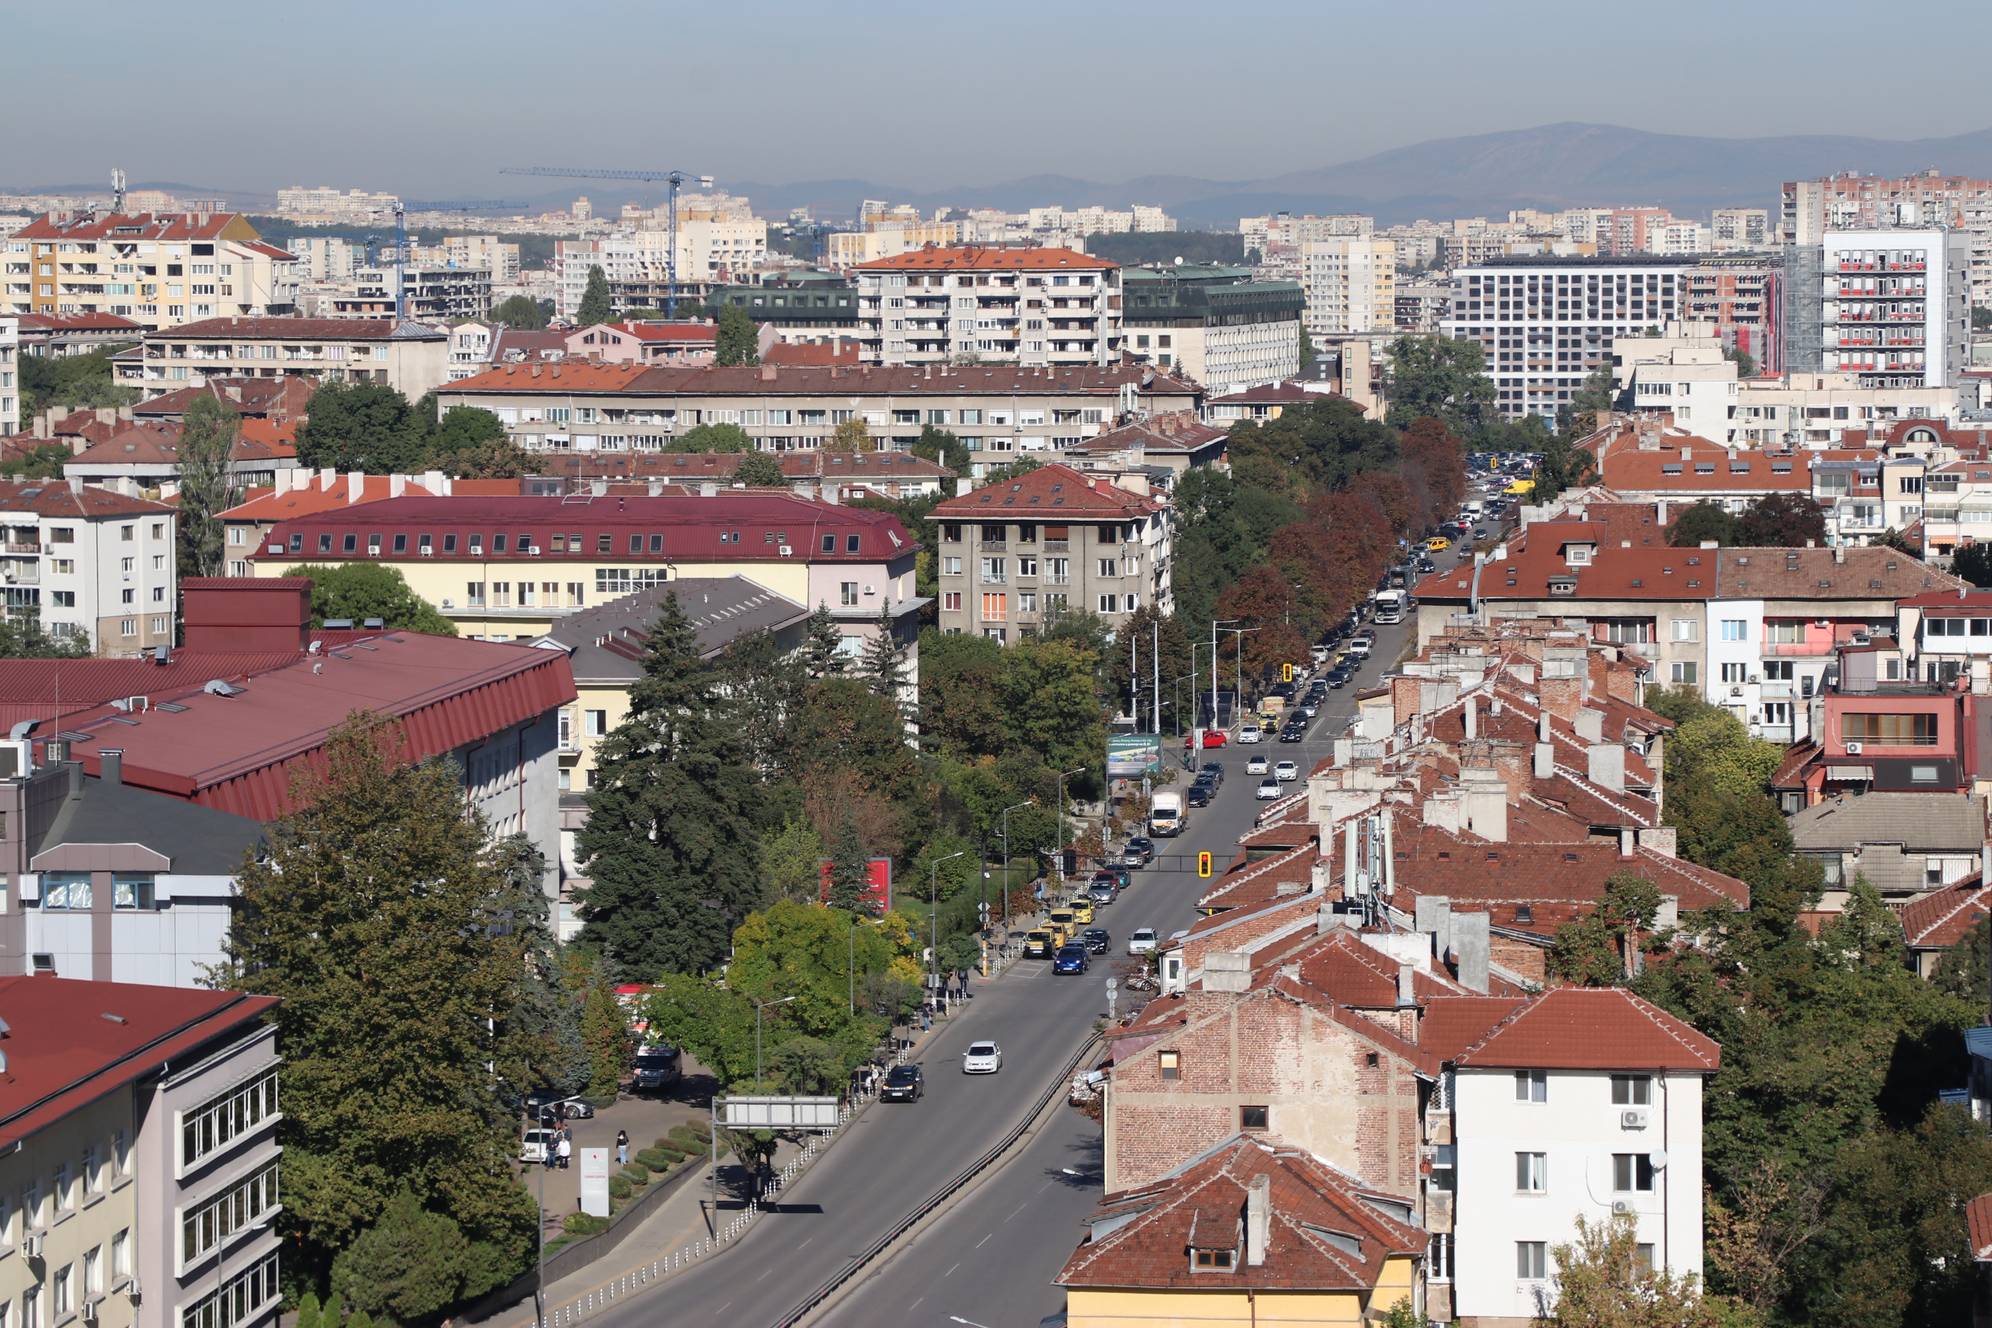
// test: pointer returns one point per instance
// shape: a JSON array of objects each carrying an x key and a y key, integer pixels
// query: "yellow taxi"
[
  {"x": 1438, "y": 544},
  {"x": 1082, "y": 911},
  {"x": 1060, "y": 923},
  {"x": 1039, "y": 945}
]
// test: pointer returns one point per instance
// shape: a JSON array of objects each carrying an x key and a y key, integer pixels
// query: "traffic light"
[
  {"x": 1203, "y": 863},
  {"x": 1286, "y": 673}
]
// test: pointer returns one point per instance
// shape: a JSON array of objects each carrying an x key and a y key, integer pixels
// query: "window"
[
  {"x": 93, "y": 1271},
  {"x": 1109, "y": 604},
  {"x": 213, "y": 1224},
  {"x": 121, "y": 1255},
  {"x": 1632, "y": 1090},
  {"x": 66, "y": 890},
  {"x": 995, "y": 607},
  {"x": 1027, "y": 566},
  {"x": 1169, "y": 1064},
  {"x": 1642, "y": 1257},
  {"x": 1632, "y": 1173},
  {"x": 847, "y": 594},
  {"x": 993, "y": 569},
  {"x": 1910, "y": 730},
  {"x": 951, "y": 601},
  {"x": 595, "y": 722},
  {"x": 120, "y": 1153},
  {"x": 1684, "y": 629},
  {"x": 950, "y": 567},
  {"x": 64, "y": 1291},
  {"x": 216, "y": 1122},
  {"x": 93, "y": 1173},
  {"x": 133, "y": 890},
  {"x": 1532, "y": 1173},
  {"x": 1732, "y": 629},
  {"x": 1252, "y": 1118},
  {"x": 60, "y": 1189},
  {"x": 1109, "y": 567},
  {"x": 1684, "y": 672},
  {"x": 240, "y": 1299},
  {"x": 1214, "y": 1259},
  {"x": 1531, "y": 1260},
  {"x": 1733, "y": 672},
  {"x": 1531, "y": 1086}
]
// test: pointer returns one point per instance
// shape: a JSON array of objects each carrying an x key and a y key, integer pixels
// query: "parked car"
[
  {"x": 903, "y": 1083},
  {"x": 1258, "y": 765},
  {"x": 1070, "y": 959},
  {"x": 1213, "y": 771},
  {"x": 1211, "y": 738},
  {"x": 1102, "y": 893},
  {"x": 1096, "y": 940},
  {"x": 1139, "y": 851},
  {"x": 1286, "y": 771},
  {"x": 1037, "y": 945},
  {"x": 1141, "y": 941},
  {"x": 1250, "y": 733},
  {"x": 1268, "y": 790},
  {"x": 982, "y": 1058},
  {"x": 533, "y": 1144},
  {"x": 1199, "y": 793},
  {"x": 1339, "y": 675}
]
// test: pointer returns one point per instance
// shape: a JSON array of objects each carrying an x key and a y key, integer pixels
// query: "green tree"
[
  {"x": 850, "y": 437},
  {"x": 1782, "y": 520},
  {"x": 1973, "y": 562},
  {"x": 1981, "y": 318},
  {"x": 40, "y": 461},
  {"x": 792, "y": 862},
  {"x": 468, "y": 442},
  {"x": 359, "y": 591},
  {"x": 361, "y": 426},
  {"x": 882, "y": 666},
  {"x": 1746, "y": 363},
  {"x": 1442, "y": 378},
  {"x": 595, "y": 305},
  {"x": 1962, "y": 971},
  {"x": 1561, "y": 465},
  {"x": 1307, "y": 355},
  {"x": 521, "y": 311},
  {"x": 850, "y": 868},
  {"x": 309, "y": 1311},
  {"x": 822, "y": 647},
  {"x": 75, "y": 381},
  {"x": 763, "y": 689},
  {"x": 408, "y": 1267},
  {"x": 714, "y": 1023},
  {"x": 712, "y": 438},
  {"x": 1597, "y": 949},
  {"x": 736, "y": 339},
  {"x": 605, "y": 1036},
  {"x": 390, "y": 976},
  {"x": 760, "y": 470},
  {"x": 943, "y": 448},
  {"x": 207, "y": 440},
  {"x": 816, "y": 956},
  {"x": 538, "y": 1036},
  {"x": 24, "y": 638},
  {"x": 1601, "y": 1282},
  {"x": 1706, "y": 520},
  {"x": 1595, "y": 397},
  {"x": 671, "y": 819}
]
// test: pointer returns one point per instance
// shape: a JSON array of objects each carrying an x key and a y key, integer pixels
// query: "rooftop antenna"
[{"x": 117, "y": 189}]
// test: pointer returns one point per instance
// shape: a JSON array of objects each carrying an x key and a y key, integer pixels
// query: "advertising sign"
[
  {"x": 878, "y": 897},
  {"x": 1131, "y": 755},
  {"x": 595, "y": 1181}
]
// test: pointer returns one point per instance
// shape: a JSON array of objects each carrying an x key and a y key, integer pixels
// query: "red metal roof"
[
  {"x": 133, "y": 226},
  {"x": 47, "y": 689},
  {"x": 980, "y": 258},
  {"x": 65, "y": 1050},
  {"x": 773, "y": 379},
  {"x": 81, "y": 322},
  {"x": 1978, "y": 1223},
  {"x": 1049, "y": 493},
  {"x": 298, "y": 329},
  {"x": 1593, "y": 1028},
  {"x": 56, "y": 498}
]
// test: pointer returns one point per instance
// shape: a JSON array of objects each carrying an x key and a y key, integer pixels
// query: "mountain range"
[{"x": 1549, "y": 166}]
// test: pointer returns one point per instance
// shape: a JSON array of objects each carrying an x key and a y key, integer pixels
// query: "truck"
[
  {"x": 1390, "y": 607},
  {"x": 656, "y": 1068},
  {"x": 1166, "y": 814},
  {"x": 1272, "y": 706}
]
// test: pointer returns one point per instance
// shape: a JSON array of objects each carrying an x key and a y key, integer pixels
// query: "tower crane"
[
  {"x": 401, "y": 209},
  {"x": 675, "y": 179}
]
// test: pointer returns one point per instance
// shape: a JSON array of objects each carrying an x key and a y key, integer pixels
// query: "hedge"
[{"x": 585, "y": 1224}]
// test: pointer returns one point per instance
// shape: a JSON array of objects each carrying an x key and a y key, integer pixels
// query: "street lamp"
[
  {"x": 1062, "y": 777},
  {"x": 758, "y": 1007},
  {"x": 1006, "y": 858}
]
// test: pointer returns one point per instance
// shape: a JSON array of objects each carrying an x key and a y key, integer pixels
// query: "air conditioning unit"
[
  {"x": 1621, "y": 1206},
  {"x": 91, "y": 1309},
  {"x": 449, "y": 604},
  {"x": 33, "y": 1244},
  {"x": 787, "y": 551},
  {"x": 134, "y": 1292},
  {"x": 427, "y": 551},
  {"x": 1853, "y": 749},
  {"x": 1736, "y": 691},
  {"x": 1632, "y": 1120}
]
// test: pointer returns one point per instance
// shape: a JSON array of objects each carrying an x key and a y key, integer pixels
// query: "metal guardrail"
[{"x": 859, "y": 1262}]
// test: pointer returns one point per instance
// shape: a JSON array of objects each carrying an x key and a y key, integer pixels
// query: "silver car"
[{"x": 1142, "y": 941}]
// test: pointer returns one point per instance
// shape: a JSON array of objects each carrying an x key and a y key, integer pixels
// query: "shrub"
[
  {"x": 686, "y": 1139},
  {"x": 657, "y": 1159},
  {"x": 636, "y": 1174},
  {"x": 620, "y": 1189},
  {"x": 585, "y": 1224}
]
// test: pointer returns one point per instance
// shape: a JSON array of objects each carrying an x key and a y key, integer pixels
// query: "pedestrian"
[
  {"x": 622, "y": 1148},
  {"x": 566, "y": 1148}
]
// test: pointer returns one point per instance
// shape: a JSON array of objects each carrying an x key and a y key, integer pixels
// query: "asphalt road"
[{"x": 990, "y": 1260}]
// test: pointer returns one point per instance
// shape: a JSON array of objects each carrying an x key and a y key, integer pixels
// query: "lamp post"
[
  {"x": 758, "y": 1007},
  {"x": 1006, "y": 859},
  {"x": 934, "y": 914},
  {"x": 851, "y": 965},
  {"x": 1062, "y": 777}
]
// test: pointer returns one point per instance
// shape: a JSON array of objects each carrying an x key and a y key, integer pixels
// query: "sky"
[{"x": 429, "y": 98}]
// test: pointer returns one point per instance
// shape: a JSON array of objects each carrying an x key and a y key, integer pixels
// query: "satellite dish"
[
  {"x": 1659, "y": 1159},
  {"x": 1179, "y": 260}
]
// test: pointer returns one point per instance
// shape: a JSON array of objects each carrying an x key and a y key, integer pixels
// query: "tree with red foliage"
[{"x": 1433, "y": 462}]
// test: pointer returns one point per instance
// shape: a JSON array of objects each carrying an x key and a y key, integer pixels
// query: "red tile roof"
[
  {"x": 701, "y": 332},
  {"x": 1593, "y": 1028},
  {"x": 979, "y": 258},
  {"x": 1049, "y": 493},
  {"x": 1451, "y": 1024},
  {"x": 1942, "y": 918},
  {"x": 300, "y": 329},
  {"x": 270, "y": 251},
  {"x": 1978, "y": 1225},
  {"x": 84, "y": 322},
  {"x": 1147, "y": 1234},
  {"x": 269, "y": 506},
  {"x": 666, "y": 380},
  {"x": 157, "y": 443},
  {"x": 1272, "y": 394},
  {"x": 816, "y": 353},
  {"x": 120, "y": 225},
  {"x": 1176, "y": 431},
  {"x": 63, "y": 1051},
  {"x": 55, "y": 498}
]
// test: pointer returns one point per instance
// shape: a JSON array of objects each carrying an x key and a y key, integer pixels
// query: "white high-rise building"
[
  {"x": 1351, "y": 285},
  {"x": 1895, "y": 306},
  {"x": 1012, "y": 305}
]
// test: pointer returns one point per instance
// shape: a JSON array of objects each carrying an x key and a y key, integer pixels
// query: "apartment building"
[
  {"x": 58, "y": 335},
  {"x": 1421, "y": 306},
  {"x": 886, "y": 237},
  {"x": 998, "y": 410},
  {"x": 1213, "y": 324},
  {"x": 1351, "y": 285},
  {"x": 711, "y": 251},
  {"x": 1005, "y": 305},
  {"x": 1740, "y": 298},
  {"x": 410, "y": 357},
  {"x": 645, "y": 342},
  {"x": 837, "y": 476},
  {"x": 1848, "y": 201},
  {"x": 1015, "y": 554},
  {"x": 139, "y": 1156},
  {"x": 800, "y": 305},
  {"x": 157, "y": 270},
  {"x": 322, "y": 204},
  {"x": 434, "y": 294},
  {"x": 506, "y": 569},
  {"x": 10, "y": 376},
  {"x": 1892, "y": 307},
  {"x": 89, "y": 564},
  {"x": 1732, "y": 229}
]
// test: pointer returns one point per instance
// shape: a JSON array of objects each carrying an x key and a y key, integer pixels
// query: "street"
[{"x": 991, "y": 1260}]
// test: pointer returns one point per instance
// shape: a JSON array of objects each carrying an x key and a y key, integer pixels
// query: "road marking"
[
  {"x": 978, "y": 1244},
  {"x": 1020, "y": 1208},
  {"x": 914, "y": 1306},
  {"x": 950, "y": 1272},
  {"x": 805, "y": 1242},
  {"x": 727, "y": 1306},
  {"x": 764, "y": 1274}
]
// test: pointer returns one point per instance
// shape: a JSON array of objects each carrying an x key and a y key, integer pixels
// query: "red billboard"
[{"x": 878, "y": 893}]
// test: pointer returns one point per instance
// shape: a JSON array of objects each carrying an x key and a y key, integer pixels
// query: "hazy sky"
[{"x": 430, "y": 97}]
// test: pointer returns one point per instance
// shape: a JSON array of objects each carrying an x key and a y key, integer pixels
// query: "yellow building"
[
  {"x": 1251, "y": 1233},
  {"x": 157, "y": 270}
]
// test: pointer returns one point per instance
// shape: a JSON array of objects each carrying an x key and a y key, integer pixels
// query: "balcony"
[{"x": 1797, "y": 649}]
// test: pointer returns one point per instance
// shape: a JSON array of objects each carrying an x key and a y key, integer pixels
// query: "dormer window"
[
  {"x": 1213, "y": 1261},
  {"x": 1563, "y": 585},
  {"x": 1577, "y": 555}
]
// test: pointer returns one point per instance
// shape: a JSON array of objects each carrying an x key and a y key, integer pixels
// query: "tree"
[
  {"x": 1706, "y": 520},
  {"x": 469, "y": 442},
  {"x": 356, "y": 592},
  {"x": 539, "y": 1042},
  {"x": 1307, "y": 357},
  {"x": 1443, "y": 378},
  {"x": 1595, "y": 398},
  {"x": 671, "y": 820},
  {"x": 883, "y": 663},
  {"x": 943, "y": 448},
  {"x": 368, "y": 914},
  {"x": 520, "y": 311},
  {"x": 714, "y": 1023},
  {"x": 595, "y": 304},
  {"x": 1782, "y": 520},
  {"x": 850, "y": 437},
  {"x": 207, "y": 440},
  {"x": 77, "y": 381},
  {"x": 712, "y": 438},
  {"x": 792, "y": 862},
  {"x": 850, "y": 868},
  {"x": 1981, "y": 318},
  {"x": 1597, "y": 949},
  {"x": 848, "y": 747},
  {"x": 361, "y": 426},
  {"x": 408, "y": 1267},
  {"x": 1746, "y": 364},
  {"x": 823, "y": 644},
  {"x": 1973, "y": 562},
  {"x": 736, "y": 339},
  {"x": 1601, "y": 1282},
  {"x": 24, "y": 638},
  {"x": 1561, "y": 465},
  {"x": 759, "y": 470},
  {"x": 1901, "y": 543},
  {"x": 1965, "y": 970}
]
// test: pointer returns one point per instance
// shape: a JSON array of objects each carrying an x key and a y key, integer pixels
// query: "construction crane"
[
  {"x": 675, "y": 179},
  {"x": 401, "y": 209}
]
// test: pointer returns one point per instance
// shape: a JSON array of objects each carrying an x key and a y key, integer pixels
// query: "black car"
[
  {"x": 903, "y": 1083},
  {"x": 1293, "y": 733},
  {"x": 1096, "y": 940},
  {"x": 1426, "y": 565},
  {"x": 1339, "y": 675},
  {"x": 1211, "y": 772},
  {"x": 1139, "y": 851},
  {"x": 1199, "y": 794}
]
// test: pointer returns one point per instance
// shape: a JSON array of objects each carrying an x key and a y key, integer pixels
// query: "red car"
[{"x": 1211, "y": 738}]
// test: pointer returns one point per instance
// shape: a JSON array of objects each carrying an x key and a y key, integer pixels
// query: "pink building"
[{"x": 645, "y": 343}]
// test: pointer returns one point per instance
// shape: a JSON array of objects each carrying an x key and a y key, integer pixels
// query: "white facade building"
[
  {"x": 1011, "y": 305},
  {"x": 637, "y": 264},
  {"x": 1896, "y": 306},
  {"x": 10, "y": 375},
  {"x": 89, "y": 563},
  {"x": 1351, "y": 285}
]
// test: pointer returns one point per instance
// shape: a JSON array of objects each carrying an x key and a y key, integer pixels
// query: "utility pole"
[{"x": 1155, "y": 671}]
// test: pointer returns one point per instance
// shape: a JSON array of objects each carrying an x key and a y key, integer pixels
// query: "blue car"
[{"x": 1071, "y": 959}]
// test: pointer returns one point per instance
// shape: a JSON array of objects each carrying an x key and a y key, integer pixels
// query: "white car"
[
  {"x": 1142, "y": 941},
  {"x": 533, "y": 1145},
  {"x": 1361, "y": 644},
  {"x": 1250, "y": 733},
  {"x": 1268, "y": 790},
  {"x": 982, "y": 1058},
  {"x": 1285, "y": 771},
  {"x": 1257, "y": 764}
]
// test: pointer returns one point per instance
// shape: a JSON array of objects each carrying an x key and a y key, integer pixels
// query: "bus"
[{"x": 1389, "y": 607}]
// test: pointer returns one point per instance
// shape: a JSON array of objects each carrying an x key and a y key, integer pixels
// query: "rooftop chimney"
[
  {"x": 110, "y": 765},
  {"x": 1258, "y": 1219},
  {"x": 1472, "y": 718},
  {"x": 1407, "y": 986},
  {"x": 1227, "y": 970},
  {"x": 1471, "y": 950}
]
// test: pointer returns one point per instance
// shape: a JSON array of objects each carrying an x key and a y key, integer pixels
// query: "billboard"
[
  {"x": 595, "y": 1181},
  {"x": 878, "y": 896},
  {"x": 1132, "y": 755},
  {"x": 778, "y": 1113}
]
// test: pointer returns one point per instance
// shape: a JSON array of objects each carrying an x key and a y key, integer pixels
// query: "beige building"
[
  {"x": 1351, "y": 285},
  {"x": 138, "y": 1156},
  {"x": 410, "y": 357},
  {"x": 637, "y": 264},
  {"x": 997, "y": 304},
  {"x": 155, "y": 270},
  {"x": 1015, "y": 554},
  {"x": 887, "y": 239}
]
